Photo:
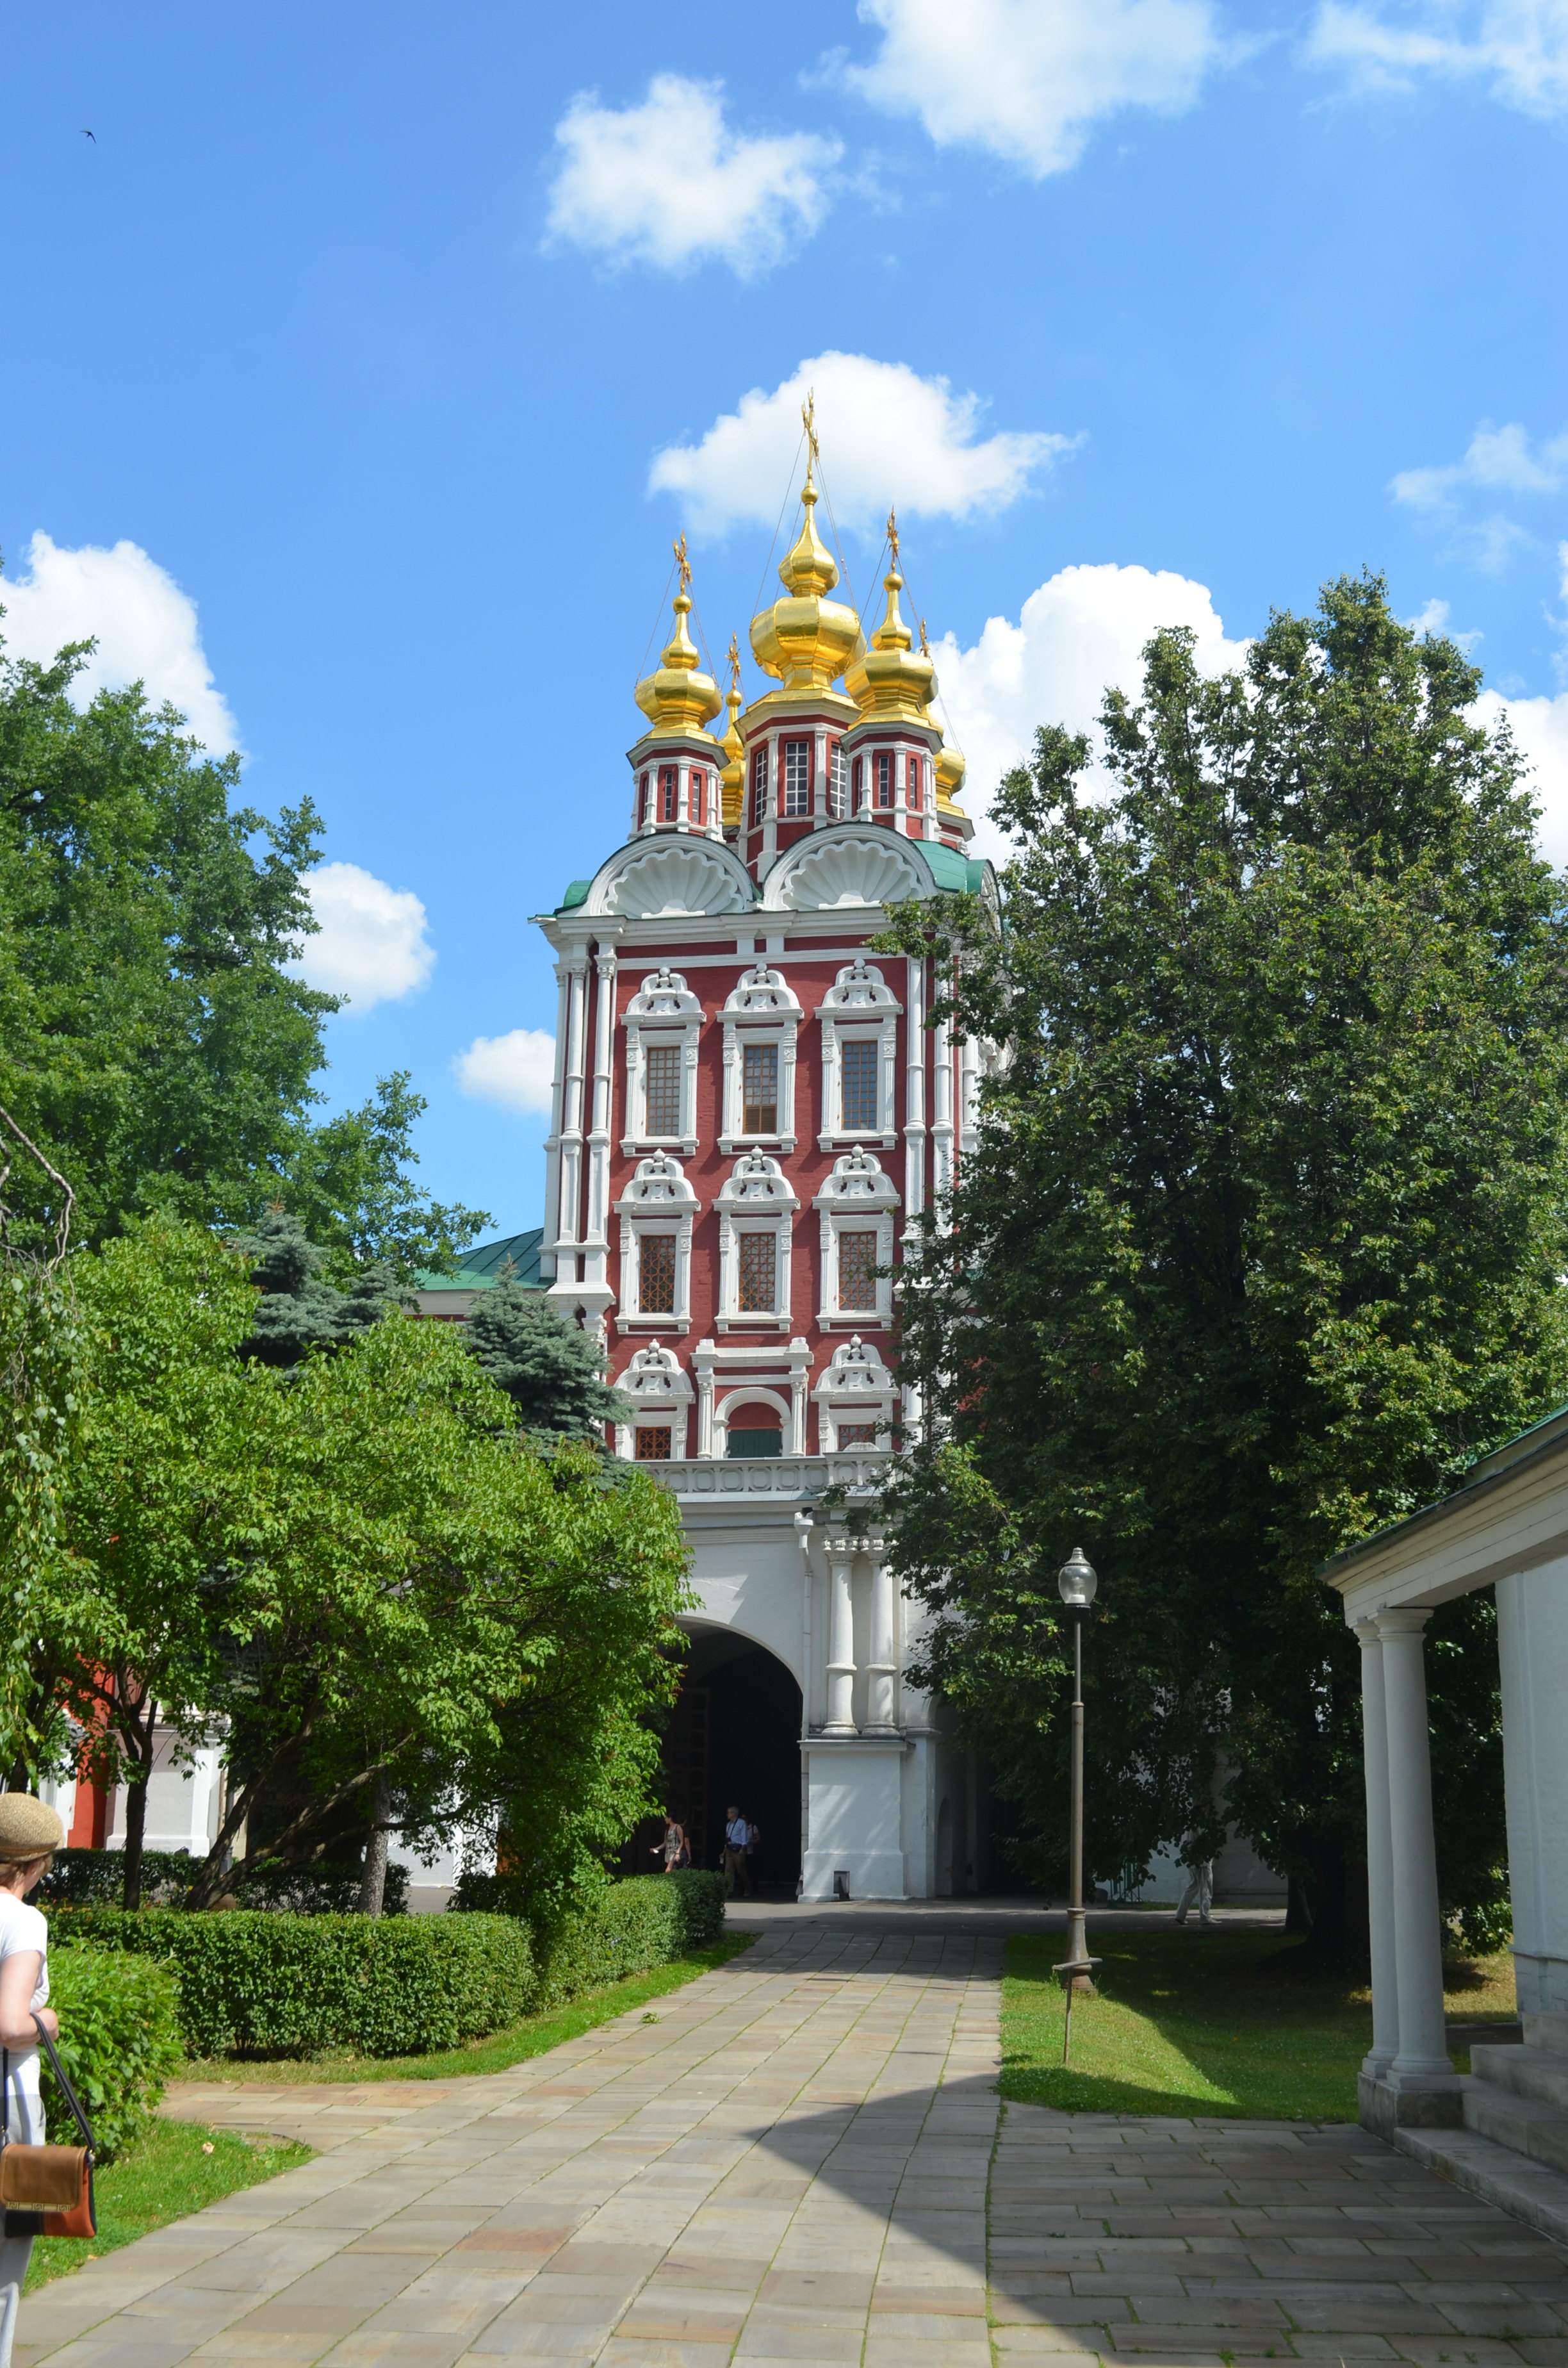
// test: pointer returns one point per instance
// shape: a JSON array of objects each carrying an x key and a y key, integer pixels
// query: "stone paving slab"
[{"x": 803, "y": 2159}]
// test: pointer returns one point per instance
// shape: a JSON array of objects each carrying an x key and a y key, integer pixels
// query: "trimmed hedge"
[
  {"x": 255, "y": 1982},
  {"x": 644, "y": 1921},
  {"x": 119, "y": 2041},
  {"x": 83, "y": 1878}
]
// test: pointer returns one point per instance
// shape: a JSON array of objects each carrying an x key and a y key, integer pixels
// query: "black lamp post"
[{"x": 1076, "y": 1581}]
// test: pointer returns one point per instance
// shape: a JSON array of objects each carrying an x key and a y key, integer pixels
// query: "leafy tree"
[
  {"x": 347, "y": 1180},
  {"x": 1263, "y": 1239},
  {"x": 552, "y": 1372}
]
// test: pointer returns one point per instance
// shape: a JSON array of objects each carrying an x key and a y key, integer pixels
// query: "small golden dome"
[
  {"x": 950, "y": 779},
  {"x": 676, "y": 698},
  {"x": 805, "y": 641},
  {"x": 891, "y": 681},
  {"x": 733, "y": 773}
]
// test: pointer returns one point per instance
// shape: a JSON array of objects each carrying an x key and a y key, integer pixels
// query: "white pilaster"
[
  {"x": 881, "y": 1699},
  {"x": 840, "y": 1635},
  {"x": 941, "y": 1112},
  {"x": 553, "y": 1140},
  {"x": 595, "y": 1238},
  {"x": 915, "y": 1091},
  {"x": 572, "y": 1113},
  {"x": 1379, "y": 1854},
  {"x": 1423, "y": 2058}
]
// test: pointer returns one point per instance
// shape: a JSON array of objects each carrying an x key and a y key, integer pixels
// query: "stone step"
[
  {"x": 1525, "y": 2071},
  {"x": 1528, "y": 2190},
  {"x": 1531, "y": 2128},
  {"x": 1547, "y": 2031}
]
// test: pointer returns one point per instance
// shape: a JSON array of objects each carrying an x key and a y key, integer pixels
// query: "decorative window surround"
[
  {"x": 658, "y": 1201},
  {"x": 663, "y": 1012},
  {"x": 747, "y": 1374},
  {"x": 857, "y": 1198},
  {"x": 856, "y": 1387},
  {"x": 859, "y": 1004},
  {"x": 660, "y": 1393},
  {"x": 760, "y": 1009},
  {"x": 757, "y": 1198}
]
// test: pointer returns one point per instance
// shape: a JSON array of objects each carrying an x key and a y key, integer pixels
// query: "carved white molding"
[
  {"x": 862, "y": 1005},
  {"x": 663, "y": 1012},
  {"x": 761, "y": 1008},
  {"x": 855, "y": 1388},
  {"x": 655, "y": 877},
  {"x": 660, "y": 1391},
  {"x": 850, "y": 864},
  {"x": 756, "y": 1198},
  {"x": 659, "y": 1200},
  {"x": 857, "y": 1198}
]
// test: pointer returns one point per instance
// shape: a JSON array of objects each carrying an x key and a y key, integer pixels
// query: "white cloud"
[
  {"x": 1540, "y": 733},
  {"x": 887, "y": 435},
  {"x": 668, "y": 183},
  {"x": 1081, "y": 632},
  {"x": 516, "y": 1071},
  {"x": 1520, "y": 47},
  {"x": 144, "y": 625},
  {"x": 1029, "y": 79},
  {"x": 1496, "y": 460},
  {"x": 371, "y": 945}
]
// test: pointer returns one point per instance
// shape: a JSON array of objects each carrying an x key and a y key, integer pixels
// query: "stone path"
[{"x": 790, "y": 2164}]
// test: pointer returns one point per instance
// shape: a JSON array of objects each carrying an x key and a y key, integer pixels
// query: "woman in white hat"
[{"x": 30, "y": 1833}]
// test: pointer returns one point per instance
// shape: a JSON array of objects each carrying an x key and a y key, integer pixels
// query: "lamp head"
[{"x": 1076, "y": 1581}]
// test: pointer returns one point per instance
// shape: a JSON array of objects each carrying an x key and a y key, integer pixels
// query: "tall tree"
[
  {"x": 1264, "y": 1236},
  {"x": 552, "y": 1372}
]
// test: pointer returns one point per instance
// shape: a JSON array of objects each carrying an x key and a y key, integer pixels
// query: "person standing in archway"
[{"x": 737, "y": 1833}]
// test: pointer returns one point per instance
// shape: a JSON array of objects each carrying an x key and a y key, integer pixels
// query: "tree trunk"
[
  {"x": 135, "y": 1826},
  {"x": 373, "y": 1880},
  {"x": 1298, "y": 1907}
]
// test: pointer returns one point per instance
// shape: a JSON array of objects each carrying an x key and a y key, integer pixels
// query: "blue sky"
[{"x": 362, "y": 366}]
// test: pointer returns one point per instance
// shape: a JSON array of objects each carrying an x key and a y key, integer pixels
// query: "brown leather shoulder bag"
[{"x": 47, "y": 2191}]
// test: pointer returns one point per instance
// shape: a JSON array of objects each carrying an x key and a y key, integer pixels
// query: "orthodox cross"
[
  {"x": 892, "y": 536},
  {"x": 809, "y": 422},
  {"x": 734, "y": 655},
  {"x": 925, "y": 644},
  {"x": 683, "y": 563}
]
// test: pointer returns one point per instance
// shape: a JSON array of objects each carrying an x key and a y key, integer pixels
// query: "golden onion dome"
[
  {"x": 805, "y": 641},
  {"x": 893, "y": 682},
  {"x": 676, "y": 698},
  {"x": 950, "y": 779},
  {"x": 732, "y": 776}
]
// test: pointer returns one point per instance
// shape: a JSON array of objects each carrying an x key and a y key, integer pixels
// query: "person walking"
[
  {"x": 673, "y": 1848},
  {"x": 30, "y": 1833},
  {"x": 737, "y": 1833},
  {"x": 1199, "y": 1888}
]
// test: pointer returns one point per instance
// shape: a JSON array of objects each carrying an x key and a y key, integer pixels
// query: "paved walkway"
[{"x": 788, "y": 2161}]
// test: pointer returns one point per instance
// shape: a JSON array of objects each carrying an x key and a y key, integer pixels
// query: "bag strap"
[{"x": 66, "y": 2090}]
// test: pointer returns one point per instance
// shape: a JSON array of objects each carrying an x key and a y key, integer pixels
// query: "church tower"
[{"x": 750, "y": 1113}]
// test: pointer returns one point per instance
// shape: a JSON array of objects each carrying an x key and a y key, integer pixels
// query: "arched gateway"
[{"x": 750, "y": 1114}]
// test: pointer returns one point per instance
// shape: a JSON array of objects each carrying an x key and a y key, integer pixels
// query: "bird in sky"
[{"x": 90, "y": 135}]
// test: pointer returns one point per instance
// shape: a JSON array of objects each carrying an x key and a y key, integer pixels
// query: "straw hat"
[{"x": 29, "y": 1829}]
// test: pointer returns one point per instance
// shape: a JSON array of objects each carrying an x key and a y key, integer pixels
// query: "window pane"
[
  {"x": 754, "y": 1442},
  {"x": 857, "y": 1271},
  {"x": 668, "y": 786},
  {"x": 856, "y": 1434},
  {"x": 656, "y": 1294},
  {"x": 759, "y": 1264},
  {"x": 884, "y": 779},
  {"x": 797, "y": 777},
  {"x": 858, "y": 1060},
  {"x": 663, "y": 1090},
  {"x": 653, "y": 1444},
  {"x": 759, "y": 788},
  {"x": 837, "y": 800},
  {"x": 759, "y": 1090}
]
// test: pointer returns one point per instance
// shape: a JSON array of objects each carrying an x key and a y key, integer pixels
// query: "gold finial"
[
  {"x": 925, "y": 644},
  {"x": 809, "y": 422},
  {"x": 683, "y": 563},
  {"x": 892, "y": 536},
  {"x": 733, "y": 654}
]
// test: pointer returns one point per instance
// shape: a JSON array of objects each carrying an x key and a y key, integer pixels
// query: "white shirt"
[
  {"x": 22, "y": 1928},
  {"x": 737, "y": 1834}
]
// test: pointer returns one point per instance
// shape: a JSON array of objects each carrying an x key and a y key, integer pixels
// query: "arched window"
[
  {"x": 884, "y": 777},
  {"x": 669, "y": 792},
  {"x": 754, "y": 1431}
]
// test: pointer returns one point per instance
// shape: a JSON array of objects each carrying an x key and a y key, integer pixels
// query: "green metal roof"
[
  {"x": 576, "y": 893},
  {"x": 948, "y": 869},
  {"x": 477, "y": 1268}
]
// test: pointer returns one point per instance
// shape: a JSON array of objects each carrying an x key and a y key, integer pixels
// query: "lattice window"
[
  {"x": 669, "y": 782},
  {"x": 857, "y": 1272},
  {"x": 653, "y": 1443},
  {"x": 759, "y": 788},
  {"x": 662, "y": 1089},
  {"x": 911, "y": 783},
  {"x": 859, "y": 1060},
  {"x": 759, "y": 1268},
  {"x": 856, "y": 1434},
  {"x": 838, "y": 784},
  {"x": 759, "y": 1090},
  {"x": 656, "y": 1275},
  {"x": 884, "y": 777},
  {"x": 797, "y": 777}
]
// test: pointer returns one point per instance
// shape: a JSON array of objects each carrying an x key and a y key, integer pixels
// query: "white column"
[
  {"x": 881, "y": 1698},
  {"x": 594, "y": 1237},
  {"x": 1379, "y": 1854},
  {"x": 571, "y": 1109},
  {"x": 969, "y": 1093},
  {"x": 941, "y": 1111},
  {"x": 915, "y": 1091},
  {"x": 800, "y": 1380},
  {"x": 703, "y": 1368},
  {"x": 553, "y": 1140},
  {"x": 840, "y": 1637},
  {"x": 1423, "y": 2059}
]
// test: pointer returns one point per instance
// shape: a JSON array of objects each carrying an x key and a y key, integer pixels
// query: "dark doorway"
[{"x": 733, "y": 1734}]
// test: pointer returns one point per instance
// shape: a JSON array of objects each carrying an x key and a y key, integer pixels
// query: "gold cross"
[
  {"x": 683, "y": 563},
  {"x": 809, "y": 422},
  {"x": 925, "y": 644},
  {"x": 892, "y": 536},
  {"x": 735, "y": 662}
]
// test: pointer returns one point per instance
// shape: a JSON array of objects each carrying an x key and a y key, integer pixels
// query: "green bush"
[
  {"x": 259, "y": 1983},
  {"x": 119, "y": 2042},
  {"x": 80, "y": 1878},
  {"x": 630, "y": 1926}
]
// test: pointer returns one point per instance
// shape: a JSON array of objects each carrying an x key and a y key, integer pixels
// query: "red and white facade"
[{"x": 750, "y": 1113}]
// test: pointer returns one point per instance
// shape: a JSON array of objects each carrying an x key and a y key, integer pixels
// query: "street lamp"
[{"x": 1076, "y": 1581}]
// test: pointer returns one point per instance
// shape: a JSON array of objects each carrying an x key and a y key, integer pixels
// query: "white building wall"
[{"x": 1533, "y": 1651}]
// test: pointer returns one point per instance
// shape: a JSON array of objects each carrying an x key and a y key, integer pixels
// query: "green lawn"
[
  {"x": 1188, "y": 2021},
  {"x": 502, "y": 2049},
  {"x": 177, "y": 2167}
]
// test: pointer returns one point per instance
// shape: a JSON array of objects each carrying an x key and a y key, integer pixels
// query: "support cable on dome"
[
  {"x": 762, "y": 579},
  {"x": 659, "y": 614}
]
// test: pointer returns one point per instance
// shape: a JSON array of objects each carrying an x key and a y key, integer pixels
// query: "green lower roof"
[{"x": 478, "y": 1269}]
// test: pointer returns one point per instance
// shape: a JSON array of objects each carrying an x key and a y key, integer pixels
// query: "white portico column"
[
  {"x": 1422, "y": 2061},
  {"x": 881, "y": 1669},
  {"x": 1379, "y": 1854},
  {"x": 840, "y": 1636}
]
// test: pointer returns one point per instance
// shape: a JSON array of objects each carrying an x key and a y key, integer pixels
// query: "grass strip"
[
  {"x": 1194, "y": 2022},
  {"x": 173, "y": 2168},
  {"x": 498, "y": 2053}
]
